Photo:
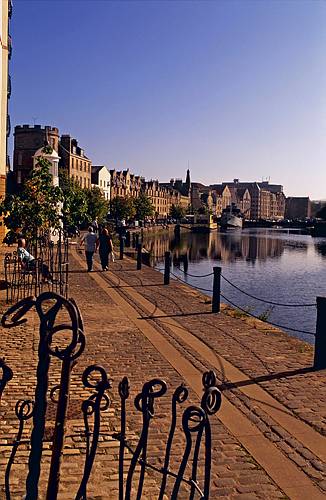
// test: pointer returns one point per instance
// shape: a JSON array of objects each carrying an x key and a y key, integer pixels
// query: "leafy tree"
[
  {"x": 97, "y": 205},
  {"x": 177, "y": 212},
  {"x": 75, "y": 206},
  {"x": 143, "y": 206},
  {"x": 37, "y": 206},
  {"x": 122, "y": 208}
]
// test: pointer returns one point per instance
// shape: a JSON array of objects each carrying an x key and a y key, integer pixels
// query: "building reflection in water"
[{"x": 225, "y": 247}]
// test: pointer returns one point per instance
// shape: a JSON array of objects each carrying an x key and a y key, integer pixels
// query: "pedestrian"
[
  {"x": 28, "y": 262},
  {"x": 95, "y": 225},
  {"x": 90, "y": 247},
  {"x": 105, "y": 246}
]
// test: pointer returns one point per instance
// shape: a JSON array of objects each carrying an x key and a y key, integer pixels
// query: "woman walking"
[{"x": 105, "y": 245}]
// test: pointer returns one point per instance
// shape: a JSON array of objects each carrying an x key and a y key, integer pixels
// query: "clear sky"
[{"x": 234, "y": 88}]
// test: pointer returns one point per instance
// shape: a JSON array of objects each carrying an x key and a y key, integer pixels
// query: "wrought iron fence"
[
  {"x": 196, "y": 428},
  {"x": 50, "y": 252}
]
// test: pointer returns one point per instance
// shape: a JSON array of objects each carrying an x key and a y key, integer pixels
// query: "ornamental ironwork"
[
  {"x": 50, "y": 252},
  {"x": 57, "y": 316}
]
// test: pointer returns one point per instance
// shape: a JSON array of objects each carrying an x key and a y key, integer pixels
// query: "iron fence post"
[
  {"x": 216, "y": 300},
  {"x": 320, "y": 338},
  {"x": 139, "y": 249},
  {"x": 167, "y": 266}
]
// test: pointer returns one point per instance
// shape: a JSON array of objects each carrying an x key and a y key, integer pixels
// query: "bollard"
[
  {"x": 167, "y": 266},
  {"x": 139, "y": 249},
  {"x": 216, "y": 299},
  {"x": 185, "y": 263},
  {"x": 320, "y": 338},
  {"x": 127, "y": 242},
  {"x": 121, "y": 247}
]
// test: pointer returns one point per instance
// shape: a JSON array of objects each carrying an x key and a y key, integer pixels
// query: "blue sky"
[{"x": 235, "y": 88}]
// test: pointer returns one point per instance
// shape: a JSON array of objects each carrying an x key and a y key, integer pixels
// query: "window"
[
  {"x": 85, "y": 166},
  {"x": 81, "y": 166},
  {"x": 20, "y": 159}
]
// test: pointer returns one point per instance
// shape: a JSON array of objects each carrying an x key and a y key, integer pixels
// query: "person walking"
[
  {"x": 89, "y": 240},
  {"x": 104, "y": 243},
  {"x": 95, "y": 225}
]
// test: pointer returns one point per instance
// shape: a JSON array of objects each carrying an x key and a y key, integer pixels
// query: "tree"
[
  {"x": 177, "y": 212},
  {"x": 143, "y": 207},
  {"x": 97, "y": 205},
  {"x": 37, "y": 207},
  {"x": 75, "y": 206},
  {"x": 122, "y": 208}
]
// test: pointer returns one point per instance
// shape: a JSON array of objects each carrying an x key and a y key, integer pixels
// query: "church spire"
[{"x": 187, "y": 183}]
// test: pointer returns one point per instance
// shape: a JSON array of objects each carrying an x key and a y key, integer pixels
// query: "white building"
[
  {"x": 53, "y": 158},
  {"x": 101, "y": 178}
]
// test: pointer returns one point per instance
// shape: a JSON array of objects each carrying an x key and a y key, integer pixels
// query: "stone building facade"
[
  {"x": 124, "y": 184},
  {"x": 162, "y": 197},
  {"x": 5, "y": 85},
  {"x": 183, "y": 188},
  {"x": 27, "y": 140},
  {"x": 74, "y": 161},
  {"x": 267, "y": 201}
]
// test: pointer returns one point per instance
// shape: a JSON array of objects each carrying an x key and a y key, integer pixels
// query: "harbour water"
[{"x": 276, "y": 265}]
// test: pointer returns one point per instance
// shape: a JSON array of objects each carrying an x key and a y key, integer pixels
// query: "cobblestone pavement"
[{"x": 119, "y": 343}]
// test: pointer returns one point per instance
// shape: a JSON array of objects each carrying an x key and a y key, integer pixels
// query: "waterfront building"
[
  {"x": 27, "y": 140},
  {"x": 223, "y": 197},
  {"x": 267, "y": 201},
  {"x": 162, "y": 197},
  {"x": 297, "y": 207},
  {"x": 73, "y": 159},
  {"x": 183, "y": 188},
  {"x": 124, "y": 184},
  {"x": 5, "y": 84},
  {"x": 101, "y": 178}
]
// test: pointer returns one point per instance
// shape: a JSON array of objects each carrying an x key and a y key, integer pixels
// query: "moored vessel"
[{"x": 231, "y": 217}]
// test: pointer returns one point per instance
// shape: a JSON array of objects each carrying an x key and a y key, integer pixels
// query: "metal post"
[
  {"x": 320, "y": 338},
  {"x": 216, "y": 300},
  {"x": 185, "y": 262},
  {"x": 139, "y": 249},
  {"x": 167, "y": 266},
  {"x": 127, "y": 242},
  {"x": 121, "y": 247}
]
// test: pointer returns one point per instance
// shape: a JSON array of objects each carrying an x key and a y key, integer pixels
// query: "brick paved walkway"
[{"x": 268, "y": 437}]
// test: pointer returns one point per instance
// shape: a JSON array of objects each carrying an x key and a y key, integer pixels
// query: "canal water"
[{"x": 276, "y": 265}]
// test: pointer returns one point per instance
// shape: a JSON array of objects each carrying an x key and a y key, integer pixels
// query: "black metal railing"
[
  {"x": 49, "y": 271},
  {"x": 56, "y": 316}
]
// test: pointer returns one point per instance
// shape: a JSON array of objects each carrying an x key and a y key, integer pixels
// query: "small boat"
[{"x": 231, "y": 217}]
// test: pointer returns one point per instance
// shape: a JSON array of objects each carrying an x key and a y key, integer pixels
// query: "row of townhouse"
[{"x": 29, "y": 140}]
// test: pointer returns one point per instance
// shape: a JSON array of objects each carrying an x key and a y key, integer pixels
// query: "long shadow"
[
  {"x": 135, "y": 286},
  {"x": 177, "y": 315},
  {"x": 266, "y": 378}
]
